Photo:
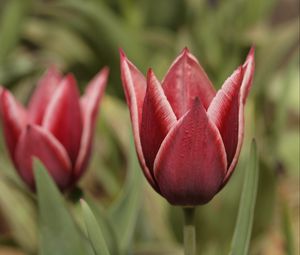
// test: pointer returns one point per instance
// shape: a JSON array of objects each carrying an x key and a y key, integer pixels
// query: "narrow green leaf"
[
  {"x": 58, "y": 232},
  {"x": 287, "y": 230},
  {"x": 124, "y": 212},
  {"x": 243, "y": 229},
  {"x": 11, "y": 25},
  {"x": 94, "y": 232},
  {"x": 18, "y": 212},
  {"x": 106, "y": 225}
]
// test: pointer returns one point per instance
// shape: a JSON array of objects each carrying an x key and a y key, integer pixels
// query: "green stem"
[{"x": 189, "y": 231}]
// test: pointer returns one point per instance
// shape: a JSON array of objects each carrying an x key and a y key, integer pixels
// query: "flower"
[
  {"x": 188, "y": 137},
  {"x": 57, "y": 127}
]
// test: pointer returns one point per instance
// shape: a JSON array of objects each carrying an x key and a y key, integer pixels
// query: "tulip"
[
  {"x": 188, "y": 136},
  {"x": 57, "y": 127}
]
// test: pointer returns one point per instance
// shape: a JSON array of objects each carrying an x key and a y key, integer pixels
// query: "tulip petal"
[
  {"x": 63, "y": 116},
  {"x": 227, "y": 110},
  {"x": 157, "y": 119},
  {"x": 224, "y": 111},
  {"x": 89, "y": 107},
  {"x": 14, "y": 118},
  {"x": 42, "y": 95},
  {"x": 134, "y": 84},
  {"x": 248, "y": 69},
  {"x": 185, "y": 81},
  {"x": 191, "y": 162},
  {"x": 38, "y": 142}
]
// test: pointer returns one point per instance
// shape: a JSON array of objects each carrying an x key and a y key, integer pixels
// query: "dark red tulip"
[
  {"x": 188, "y": 137},
  {"x": 57, "y": 127}
]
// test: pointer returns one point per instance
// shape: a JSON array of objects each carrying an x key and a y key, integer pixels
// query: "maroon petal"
[
  {"x": 134, "y": 84},
  {"x": 38, "y": 142},
  {"x": 185, "y": 81},
  {"x": 224, "y": 111},
  {"x": 227, "y": 110},
  {"x": 191, "y": 162},
  {"x": 63, "y": 116},
  {"x": 14, "y": 119},
  {"x": 248, "y": 67},
  {"x": 42, "y": 95},
  {"x": 157, "y": 119},
  {"x": 89, "y": 107}
]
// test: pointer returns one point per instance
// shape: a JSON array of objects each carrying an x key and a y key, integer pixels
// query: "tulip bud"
[
  {"x": 188, "y": 136},
  {"x": 57, "y": 127}
]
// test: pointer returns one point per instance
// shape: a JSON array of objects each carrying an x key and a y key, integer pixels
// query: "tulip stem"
[{"x": 189, "y": 231}]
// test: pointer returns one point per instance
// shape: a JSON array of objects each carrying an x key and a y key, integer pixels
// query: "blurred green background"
[{"x": 83, "y": 36}]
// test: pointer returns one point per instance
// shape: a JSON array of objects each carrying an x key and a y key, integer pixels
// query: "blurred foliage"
[{"x": 82, "y": 36}]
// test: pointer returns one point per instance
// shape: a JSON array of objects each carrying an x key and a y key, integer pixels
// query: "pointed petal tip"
[
  {"x": 151, "y": 77},
  {"x": 105, "y": 70},
  {"x": 70, "y": 77},
  {"x": 124, "y": 61},
  {"x": 3, "y": 91},
  {"x": 69, "y": 80},
  {"x": 103, "y": 73},
  {"x": 252, "y": 49},
  {"x": 52, "y": 69},
  {"x": 251, "y": 54},
  {"x": 13, "y": 118},
  {"x": 122, "y": 54},
  {"x": 196, "y": 101},
  {"x": 52, "y": 72},
  {"x": 150, "y": 73},
  {"x": 197, "y": 104},
  {"x": 185, "y": 51}
]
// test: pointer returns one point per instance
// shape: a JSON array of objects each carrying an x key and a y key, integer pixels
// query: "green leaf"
[
  {"x": 105, "y": 224},
  {"x": 94, "y": 231},
  {"x": 18, "y": 212},
  {"x": 58, "y": 233},
  {"x": 124, "y": 212},
  {"x": 11, "y": 24},
  {"x": 243, "y": 229},
  {"x": 287, "y": 230}
]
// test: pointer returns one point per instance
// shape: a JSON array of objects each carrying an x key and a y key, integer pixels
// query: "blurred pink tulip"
[
  {"x": 57, "y": 127},
  {"x": 188, "y": 137}
]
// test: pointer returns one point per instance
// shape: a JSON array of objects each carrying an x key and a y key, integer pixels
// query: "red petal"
[
  {"x": 224, "y": 111},
  {"x": 38, "y": 142},
  {"x": 134, "y": 84},
  {"x": 191, "y": 162},
  {"x": 63, "y": 116},
  {"x": 157, "y": 119},
  {"x": 248, "y": 69},
  {"x": 14, "y": 118},
  {"x": 227, "y": 110},
  {"x": 42, "y": 95},
  {"x": 185, "y": 81},
  {"x": 89, "y": 107}
]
